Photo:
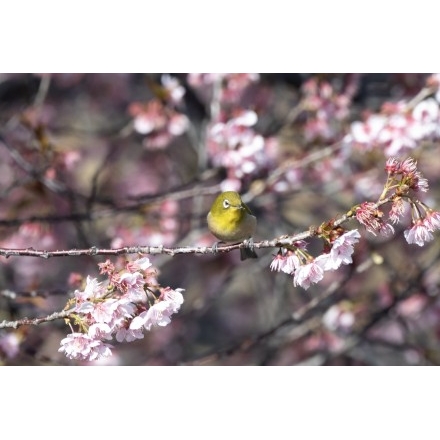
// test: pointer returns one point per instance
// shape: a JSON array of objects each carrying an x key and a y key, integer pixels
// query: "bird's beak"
[{"x": 240, "y": 206}]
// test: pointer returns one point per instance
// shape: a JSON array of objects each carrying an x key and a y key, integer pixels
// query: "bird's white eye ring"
[{"x": 226, "y": 204}]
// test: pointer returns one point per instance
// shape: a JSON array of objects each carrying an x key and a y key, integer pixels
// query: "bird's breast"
[{"x": 233, "y": 228}]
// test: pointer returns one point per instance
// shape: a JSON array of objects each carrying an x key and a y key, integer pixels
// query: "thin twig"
[
  {"x": 36, "y": 321},
  {"x": 284, "y": 240},
  {"x": 43, "y": 89},
  {"x": 106, "y": 212},
  {"x": 151, "y": 250}
]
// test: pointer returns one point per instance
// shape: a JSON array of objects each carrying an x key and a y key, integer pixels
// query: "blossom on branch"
[
  {"x": 80, "y": 346},
  {"x": 235, "y": 146},
  {"x": 419, "y": 233},
  {"x": 160, "y": 313},
  {"x": 397, "y": 128},
  {"x": 326, "y": 109},
  {"x": 128, "y": 300},
  {"x": 432, "y": 220},
  {"x": 174, "y": 89},
  {"x": 342, "y": 249},
  {"x": 311, "y": 271},
  {"x": 370, "y": 216},
  {"x": 159, "y": 123}
]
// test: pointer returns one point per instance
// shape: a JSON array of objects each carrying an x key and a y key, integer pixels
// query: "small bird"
[{"x": 230, "y": 220}]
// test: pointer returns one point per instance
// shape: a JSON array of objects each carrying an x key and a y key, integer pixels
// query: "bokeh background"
[{"x": 110, "y": 160}]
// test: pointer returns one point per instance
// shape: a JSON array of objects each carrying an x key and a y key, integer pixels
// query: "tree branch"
[
  {"x": 36, "y": 321},
  {"x": 152, "y": 250},
  {"x": 284, "y": 240}
]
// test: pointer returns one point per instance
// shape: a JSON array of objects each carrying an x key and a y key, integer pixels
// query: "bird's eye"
[{"x": 226, "y": 204}]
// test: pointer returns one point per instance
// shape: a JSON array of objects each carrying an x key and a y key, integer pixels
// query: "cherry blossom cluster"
[
  {"x": 232, "y": 141},
  {"x": 403, "y": 181},
  {"x": 160, "y": 122},
  {"x": 158, "y": 118},
  {"x": 121, "y": 307},
  {"x": 307, "y": 269},
  {"x": 399, "y": 127},
  {"x": 162, "y": 230},
  {"x": 326, "y": 108},
  {"x": 340, "y": 317},
  {"x": 235, "y": 146}
]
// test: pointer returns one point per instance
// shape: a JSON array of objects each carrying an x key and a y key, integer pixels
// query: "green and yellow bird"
[{"x": 230, "y": 220}]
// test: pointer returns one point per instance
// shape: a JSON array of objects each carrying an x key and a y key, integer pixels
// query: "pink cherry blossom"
[
  {"x": 342, "y": 249},
  {"x": 173, "y": 87},
  {"x": 128, "y": 334},
  {"x": 100, "y": 331},
  {"x": 278, "y": 262},
  {"x": 368, "y": 215},
  {"x": 143, "y": 263},
  {"x": 161, "y": 124},
  {"x": 310, "y": 273},
  {"x": 173, "y": 297},
  {"x": 426, "y": 115},
  {"x": 80, "y": 346},
  {"x": 132, "y": 284},
  {"x": 408, "y": 166},
  {"x": 100, "y": 311},
  {"x": 367, "y": 133},
  {"x": 93, "y": 290},
  {"x": 336, "y": 318},
  {"x": 392, "y": 165},
  {"x": 291, "y": 264},
  {"x": 158, "y": 314},
  {"x": 10, "y": 344},
  {"x": 235, "y": 146},
  {"x": 396, "y": 129},
  {"x": 432, "y": 220},
  {"x": 396, "y": 211},
  {"x": 419, "y": 233}
]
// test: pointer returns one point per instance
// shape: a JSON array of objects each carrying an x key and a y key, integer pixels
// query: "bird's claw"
[
  {"x": 247, "y": 251},
  {"x": 249, "y": 243},
  {"x": 214, "y": 247}
]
